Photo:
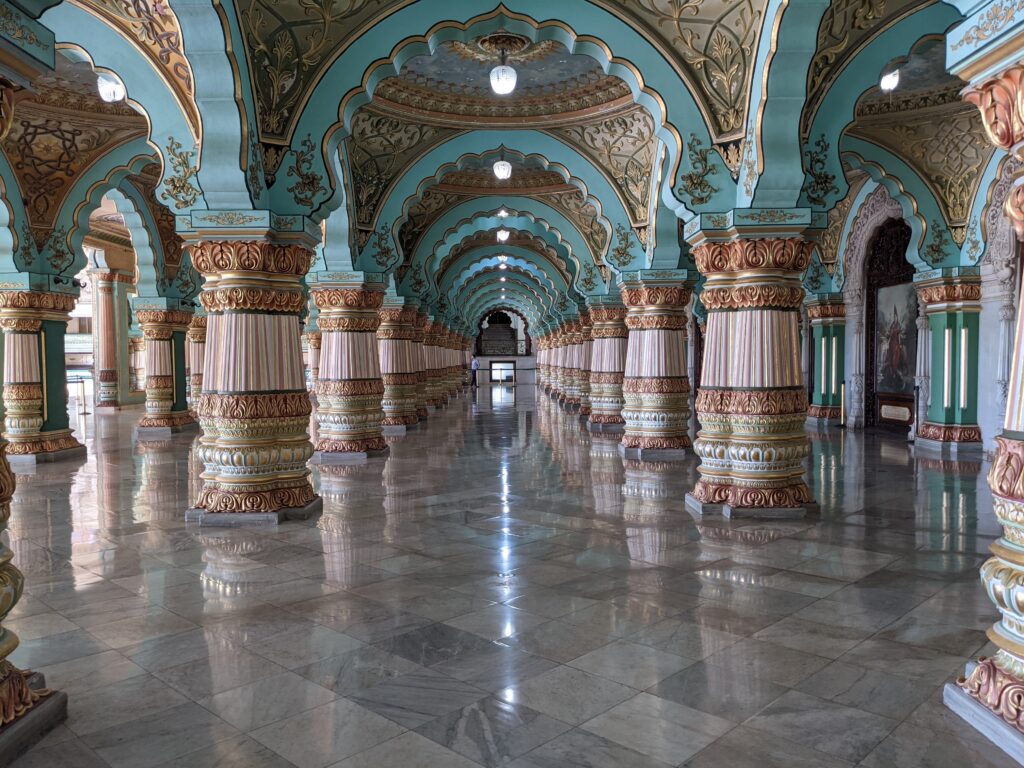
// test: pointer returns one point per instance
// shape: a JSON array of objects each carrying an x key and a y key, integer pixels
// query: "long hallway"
[{"x": 503, "y": 589}]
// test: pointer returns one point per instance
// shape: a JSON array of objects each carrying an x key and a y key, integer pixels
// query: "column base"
[
  {"x": 46, "y": 457},
  {"x": 337, "y": 458},
  {"x": 820, "y": 424},
  {"x": 947, "y": 449},
  {"x": 393, "y": 430},
  {"x": 147, "y": 434},
  {"x": 199, "y": 516},
  {"x": 45, "y": 715},
  {"x": 983, "y": 720},
  {"x": 605, "y": 426},
  {"x": 705, "y": 509},
  {"x": 652, "y": 454}
]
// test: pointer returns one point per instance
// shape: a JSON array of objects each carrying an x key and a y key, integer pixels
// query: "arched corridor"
[{"x": 511, "y": 383}]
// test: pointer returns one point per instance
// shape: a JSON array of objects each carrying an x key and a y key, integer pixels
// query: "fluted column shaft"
[
  {"x": 164, "y": 331},
  {"x": 106, "y": 336},
  {"x": 254, "y": 408},
  {"x": 656, "y": 387},
  {"x": 422, "y": 375},
  {"x": 586, "y": 354},
  {"x": 313, "y": 341},
  {"x": 350, "y": 389},
  {"x": 437, "y": 395},
  {"x": 995, "y": 683},
  {"x": 395, "y": 340},
  {"x": 137, "y": 352},
  {"x": 35, "y": 379},
  {"x": 752, "y": 403},
  {"x": 573, "y": 357},
  {"x": 453, "y": 369},
  {"x": 608, "y": 367},
  {"x": 196, "y": 339}
]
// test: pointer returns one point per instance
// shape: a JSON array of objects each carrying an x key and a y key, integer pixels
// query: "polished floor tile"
[{"x": 501, "y": 590}]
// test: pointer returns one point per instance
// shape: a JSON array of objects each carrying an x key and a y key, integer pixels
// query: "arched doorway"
[{"x": 891, "y": 331}]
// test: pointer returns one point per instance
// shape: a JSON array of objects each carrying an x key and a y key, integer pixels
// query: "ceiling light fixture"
[
  {"x": 503, "y": 168},
  {"x": 503, "y": 235},
  {"x": 503, "y": 258},
  {"x": 502, "y": 214},
  {"x": 502, "y": 279},
  {"x": 889, "y": 81},
  {"x": 503, "y": 77},
  {"x": 110, "y": 88},
  {"x": 503, "y": 266}
]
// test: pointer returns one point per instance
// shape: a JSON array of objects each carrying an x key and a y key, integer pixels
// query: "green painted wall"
[
  {"x": 55, "y": 384},
  {"x": 833, "y": 370},
  {"x": 949, "y": 375},
  {"x": 178, "y": 351}
]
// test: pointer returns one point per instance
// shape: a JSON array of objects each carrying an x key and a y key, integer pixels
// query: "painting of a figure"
[{"x": 896, "y": 339}]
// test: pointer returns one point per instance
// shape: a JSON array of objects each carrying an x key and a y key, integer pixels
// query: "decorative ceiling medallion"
[{"x": 518, "y": 48}]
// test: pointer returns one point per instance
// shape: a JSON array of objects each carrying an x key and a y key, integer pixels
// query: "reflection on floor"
[{"x": 504, "y": 590}]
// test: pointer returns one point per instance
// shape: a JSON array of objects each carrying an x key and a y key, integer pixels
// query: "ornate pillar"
[
  {"x": 419, "y": 351},
  {"x": 254, "y": 408},
  {"x": 752, "y": 402},
  {"x": 35, "y": 379},
  {"x": 166, "y": 406},
  {"x": 828, "y": 336},
  {"x": 952, "y": 306},
  {"x": 196, "y": 337},
  {"x": 453, "y": 369},
  {"x": 656, "y": 388},
  {"x": 107, "y": 337},
  {"x": 542, "y": 364},
  {"x": 573, "y": 335},
  {"x": 586, "y": 361},
  {"x": 607, "y": 366},
  {"x": 437, "y": 396},
  {"x": 558, "y": 353},
  {"x": 313, "y": 342},
  {"x": 350, "y": 389},
  {"x": 137, "y": 372},
  {"x": 395, "y": 340}
]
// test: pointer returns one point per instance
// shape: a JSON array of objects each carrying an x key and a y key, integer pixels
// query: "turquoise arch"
[
  {"x": 783, "y": 175},
  {"x": 489, "y": 270},
  {"x": 920, "y": 208},
  {"x": 109, "y": 51},
  {"x": 659, "y": 89},
  {"x": 518, "y": 256}
]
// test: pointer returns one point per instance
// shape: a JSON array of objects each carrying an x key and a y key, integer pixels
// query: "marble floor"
[{"x": 503, "y": 590}]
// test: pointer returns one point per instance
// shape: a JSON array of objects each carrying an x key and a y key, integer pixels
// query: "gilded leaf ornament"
[
  {"x": 620, "y": 254},
  {"x": 308, "y": 183},
  {"x": 935, "y": 251},
  {"x": 178, "y": 186},
  {"x": 589, "y": 281},
  {"x": 819, "y": 183},
  {"x": 384, "y": 252},
  {"x": 694, "y": 183}
]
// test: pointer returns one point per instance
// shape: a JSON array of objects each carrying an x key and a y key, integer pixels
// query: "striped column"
[
  {"x": 541, "y": 343},
  {"x": 105, "y": 338},
  {"x": 453, "y": 367},
  {"x": 166, "y": 407},
  {"x": 420, "y": 359},
  {"x": 395, "y": 342},
  {"x": 437, "y": 396},
  {"x": 656, "y": 387},
  {"x": 607, "y": 368},
  {"x": 35, "y": 380},
  {"x": 752, "y": 403},
  {"x": 989, "y": 694},
  {"x": 350, "y": 389},
  {"x": 196, "y": 338},
  {"x": 254, "y": 408},
  {"x": 137, "y": 370},
  {"x": 558, "y": 353},
  {"x": 586, "y": 361},
  {"x": 573, "y": 335},
  {"x": 313, "y": 341}
]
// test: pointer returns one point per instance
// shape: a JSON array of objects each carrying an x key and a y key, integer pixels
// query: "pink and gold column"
[
  {"x": 350, "y": 389},
  {"x": 166, "y": 406},
  {"x": 419, "y": 350},
  {"x": 608, "y": 366},
  {"x": 36, "y": 422},
  {"x": 990, "y": 695},
  {"x": 108, "y": 337},
  {"x": 398, "y": 364},
  {"x": 254, "y": 408},
  {"x": 656, "y": 387},
  {"x": 752, "y": 402},
  {"x": 196, "y": 339},
  {"x": 586, "y": 356}
]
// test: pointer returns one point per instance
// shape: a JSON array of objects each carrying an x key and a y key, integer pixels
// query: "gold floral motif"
[
  {"x": 646, "y": 443},
  {"x": 230, "y": 219},
  {"x": 308, "y": 183},
  {"x": 43, "y": 444},
  {"x": 663, "y": 385},
  {"x": 620, "y": 254},
  {"x": 246, "y": 407},
  {"x": 229, "y": 501},
  {"x": 949, "y": 292},
  {"x": 51, "y": 302},
  {"x": 997, "y": 690},
  {"x": 752, "y": 402},
  {"x": 824, "y": 411},
  {"x": 695, "y": 182},
  {"x": 178, "y": 186},
  {"x": 791, "y": 254},
  {"x": 174, "y": 318},
  {"x": 348, "y": 298},
  {"x": 753, "y": 296},
  {"x": 216, "y": 256},
  {"x": 359, "y": 445},
  {"x": 738, "y": 496},
  {"x": 258, "y": 299},
  {"x": 992, "y": 22},
  {"x": 950, "y": 432},
  {"x": 826, "y": 311},
  {"x": 350, "y": 387},
  {"x": 171, "y": 420},
  {"x": 820, "y": 184},
  {"x": 677, "y": 296}
]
